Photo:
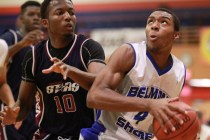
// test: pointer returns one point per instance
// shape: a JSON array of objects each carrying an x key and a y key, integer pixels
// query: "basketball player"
[
  {"x": 69, "y": 63},
  {"x": 28, "y": 33},
  {"x": 137, "y": 84}
]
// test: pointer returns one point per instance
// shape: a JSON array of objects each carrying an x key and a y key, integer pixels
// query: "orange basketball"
[{"x": 186, "y": 131}]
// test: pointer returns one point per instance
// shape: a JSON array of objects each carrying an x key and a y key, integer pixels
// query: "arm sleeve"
[
  {"x": 92, "y": 51},
  {"x": 27, "y": 67}
]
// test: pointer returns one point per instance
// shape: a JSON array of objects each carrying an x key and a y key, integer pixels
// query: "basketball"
[{"x": 186, "y": 131}]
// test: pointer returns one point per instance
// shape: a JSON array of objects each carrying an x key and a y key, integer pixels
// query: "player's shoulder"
[
  {"x": 138, "y": 46},
  {"x": 177, "y": 61},
  {"x": 41, "y": 45},
  {"x": 178, "y": 66},
  {"x": 8, "y": 32}
]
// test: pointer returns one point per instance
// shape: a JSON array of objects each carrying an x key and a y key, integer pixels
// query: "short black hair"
[
  {"x": 44, "y": 8},
  {"x": 175, "y": 18},
  {"x": 27, "y": 4}
]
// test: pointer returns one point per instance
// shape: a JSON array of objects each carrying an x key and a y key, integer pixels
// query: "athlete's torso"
[
  {"x": 144, "y": 80},
  {"x": 64, "y": 101}
]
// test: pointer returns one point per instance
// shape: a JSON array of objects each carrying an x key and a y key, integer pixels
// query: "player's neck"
[
  {"x": 21, "y": 32},
  {"x": 62, "y": 42}
]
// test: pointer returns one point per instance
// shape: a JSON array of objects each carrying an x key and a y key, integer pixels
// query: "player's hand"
[
  {"x": 32, "y": 37},
  {"x": 58, "y": 67},
  {"x": 162, "y": 110},
  {"x": 9, "y": 115}
]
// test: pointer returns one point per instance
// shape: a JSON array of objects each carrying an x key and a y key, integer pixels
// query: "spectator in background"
[
  {"x": 20, "y": 41},
  {"x": 62, "y": 69}
]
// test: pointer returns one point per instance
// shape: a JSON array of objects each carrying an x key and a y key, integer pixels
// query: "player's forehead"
[
  {"x": 160, "y": 14},
  {"x": 54, "y": 3},
  {"x": 32, "y": 8}
]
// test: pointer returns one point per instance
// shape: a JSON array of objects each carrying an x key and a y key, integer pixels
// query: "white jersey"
[
  {"x": 144, "y": 80},
  {"x": 3, "y": 52}
]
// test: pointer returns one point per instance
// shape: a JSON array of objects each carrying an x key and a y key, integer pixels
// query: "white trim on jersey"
[{"x": 81, "y": 57}]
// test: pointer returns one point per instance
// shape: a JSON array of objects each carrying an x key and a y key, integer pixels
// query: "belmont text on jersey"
[{"x": 146, "y": 92}]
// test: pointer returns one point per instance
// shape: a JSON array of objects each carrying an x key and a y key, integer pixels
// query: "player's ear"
[
  {"x": 45, "y": 23},
  {"x": 176, "y": 35}
]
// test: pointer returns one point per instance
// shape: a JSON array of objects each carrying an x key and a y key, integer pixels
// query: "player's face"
[
  {"x": 61, "y": 18},
  {"x": 31, "y": 18},
  {"x": 160, "y": 31}
]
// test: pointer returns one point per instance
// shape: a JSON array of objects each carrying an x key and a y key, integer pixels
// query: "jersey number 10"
[{"x": 68, "y": 103}]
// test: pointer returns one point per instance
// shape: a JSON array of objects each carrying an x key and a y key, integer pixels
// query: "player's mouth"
[
  {"x": 68, "y": 27},
  {"x": 153, "y": 37}
]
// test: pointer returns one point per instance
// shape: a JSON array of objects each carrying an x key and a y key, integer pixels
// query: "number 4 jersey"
[{"x": 144, "y": 80}]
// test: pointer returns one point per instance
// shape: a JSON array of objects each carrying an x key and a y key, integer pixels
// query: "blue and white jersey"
[{"x": 144, "y": 80}]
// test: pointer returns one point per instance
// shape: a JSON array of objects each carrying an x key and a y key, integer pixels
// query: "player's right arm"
[{"x": 103, "y": 95}]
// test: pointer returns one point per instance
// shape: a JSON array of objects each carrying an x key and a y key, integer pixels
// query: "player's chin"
[
  {"x": 68, "y": 34},
  {"x": 36, "y": 26}
]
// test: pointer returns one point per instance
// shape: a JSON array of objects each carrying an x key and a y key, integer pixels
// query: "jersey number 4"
[
  {"x": 68, "y": 103},
  {"x": 140, "y": 116}
]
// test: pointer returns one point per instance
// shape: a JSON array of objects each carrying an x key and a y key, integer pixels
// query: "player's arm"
[
  {"x": 31, "y": 38},
  {"x": 93, "y": 57},
  {"x": 26, "y": 99},
  {"x": 102, "y": 94},
  {"x": 27, "y": 91},
  {"x": 22, "y": 107}
]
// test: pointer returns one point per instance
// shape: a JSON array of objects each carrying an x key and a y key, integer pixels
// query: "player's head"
[
  {"x": 45, "y": 5},
  {"x": 27, "y": 4},
  {"x": 162, "y": 29},
  {"x": 58, "y": 16},
  {"x": 175, "y": 18},
  {"x": 30, "y": 15}
]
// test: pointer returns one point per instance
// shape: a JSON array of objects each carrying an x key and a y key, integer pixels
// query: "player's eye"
[
  {"x": 59, "y": 12},
  {"x": 150, "y": 21},
  {"x": 164, "y": 22}
]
